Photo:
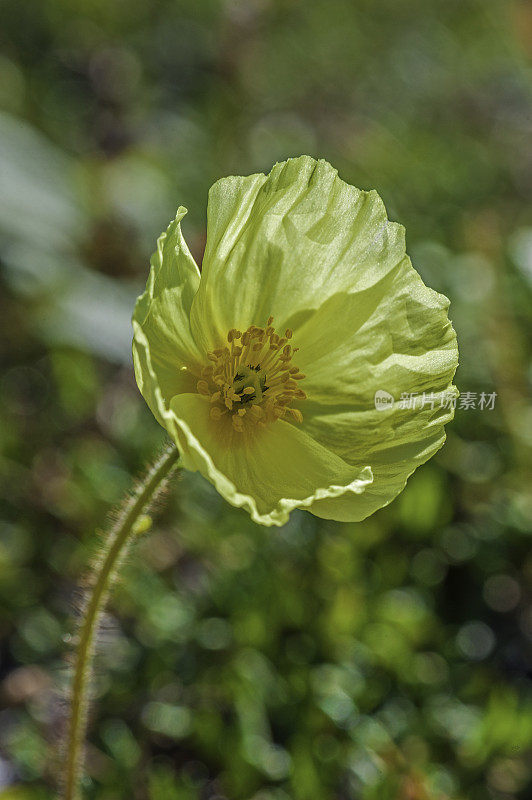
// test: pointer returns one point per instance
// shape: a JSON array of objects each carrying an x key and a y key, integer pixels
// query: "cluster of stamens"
[{"x": 252, "y": 379}]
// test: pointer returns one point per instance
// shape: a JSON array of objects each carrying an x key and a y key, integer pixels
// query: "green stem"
[{"x": 122, "y": 533}]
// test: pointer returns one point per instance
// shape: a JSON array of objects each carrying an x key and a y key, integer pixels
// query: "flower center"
[{"x": 252, "y": 379}]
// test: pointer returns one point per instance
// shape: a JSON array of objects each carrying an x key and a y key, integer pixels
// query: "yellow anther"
[{"x": 252, "y": 380}]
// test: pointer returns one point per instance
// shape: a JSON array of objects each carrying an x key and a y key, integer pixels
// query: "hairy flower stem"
[{"x": 104, "y": 573}]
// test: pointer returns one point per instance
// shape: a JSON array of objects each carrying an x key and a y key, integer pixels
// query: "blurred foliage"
[{"x": 388, "y": 660}]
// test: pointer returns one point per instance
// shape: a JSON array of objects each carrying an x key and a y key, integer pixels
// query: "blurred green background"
[{"x": 388, "y": 660}]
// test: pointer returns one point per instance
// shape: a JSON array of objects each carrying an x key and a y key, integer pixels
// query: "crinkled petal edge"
[{"x": 195, "y": 457}]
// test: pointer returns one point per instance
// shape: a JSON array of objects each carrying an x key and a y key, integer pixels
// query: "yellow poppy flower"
[{"x": 265, "y": 368}]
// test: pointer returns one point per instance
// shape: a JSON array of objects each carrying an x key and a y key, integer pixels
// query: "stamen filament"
[{"x": 252, "y": 378}]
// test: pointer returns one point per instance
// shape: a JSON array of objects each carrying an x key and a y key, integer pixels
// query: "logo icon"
[{"x": 383, "y": 400}]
